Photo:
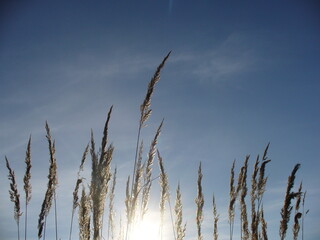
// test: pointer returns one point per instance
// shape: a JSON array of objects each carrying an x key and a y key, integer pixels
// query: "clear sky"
[{"x": 241, "y": 74}]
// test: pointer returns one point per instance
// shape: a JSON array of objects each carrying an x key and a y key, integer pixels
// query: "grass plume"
[
  {"x": 148, "y": 171},
  {"x": 136, "y": 186},
  {"x": 215, "y": 219},
  {"x": 145, "y": 106},
  {"x": 297, "y": 214},
  {"x": 27, "y": 185},
  {"x": 51, "y": 186},
  {"x": 180, "y": 229},
  {"x": 244, "y": 218},
  {"x": 164, "y": 192},
  {"x": 200, "y": 203},
  {"x": 84, "y": 216},
  {"x": 287, "y": 208},
  {"x": 264, "y": 231},
  {"x": 75, "y": 202},
  {"x": 262, "y": 179},
  {"x": 253, "y": 194},
  {"x": 14, "y": 195},
  {"x": 258, "y": 187},
  {"x": 303, "y": 214},
  {"x": 233, "y": 196},
  {"x": 145, "y": 113},
  {"x": 111, "y": 227},
  {"x": 145, "y": 110},
  {"x": 100, "y": 177}
]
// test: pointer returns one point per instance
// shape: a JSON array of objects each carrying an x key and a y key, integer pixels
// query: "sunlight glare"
[{"x": 146, "y": 230}]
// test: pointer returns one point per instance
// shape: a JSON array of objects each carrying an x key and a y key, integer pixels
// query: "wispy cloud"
[{"x": 234, "y": 55}]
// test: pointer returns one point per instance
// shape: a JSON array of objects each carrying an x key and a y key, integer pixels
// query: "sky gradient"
[{"x": 241, "y": 74}]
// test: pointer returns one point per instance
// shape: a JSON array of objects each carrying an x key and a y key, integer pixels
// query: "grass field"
[{"x": 93, "y": 213}]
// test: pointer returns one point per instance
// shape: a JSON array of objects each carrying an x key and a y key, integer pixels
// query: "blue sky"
[{"x": 241, "y": 74}]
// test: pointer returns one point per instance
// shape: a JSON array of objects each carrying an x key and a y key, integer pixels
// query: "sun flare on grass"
[{"x": 146, "y": 230}]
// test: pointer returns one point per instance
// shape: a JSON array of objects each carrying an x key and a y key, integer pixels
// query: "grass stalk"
[
  {"x": 172, "y": 221},
  {"x": 76, "y": 189},
  {"x": 253, "y": 194},
  {"x": 111, "y": 227},
  {"x": 55, "y": 214},
  {"x": 75, "y": 202},
  {"x": 164, "y": 192},
  {"x": 148, "y": 172},
  {"x": 27, "y": 185}
]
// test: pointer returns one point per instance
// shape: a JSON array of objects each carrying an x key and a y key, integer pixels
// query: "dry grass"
[
  {"x": 148, "y": 172},
  {"x": 14, "y": 195},
  {"x": 27, "y": 185},
  {"x": 263, "y": 233},
  {"x": 84, "y": 216},
  {"x": 297, "y": 214},
  {"x": 215, "y": 219},
  {"x": 200, "y": 203},
  {"x": 287, "y": 208},
  {"x": 178, "y": 208},
  {"x": 91, "y": 206},
  {"x": 100, "y": 177},
  {"x": 76, "y": 188},
  {"x": 52, "y": 183},
  {"x": 111, "y": 224},
  {"x": 243, "y": 205},
  {"x": 164, "y": 192},
  {"x": 233, "y": 196}
]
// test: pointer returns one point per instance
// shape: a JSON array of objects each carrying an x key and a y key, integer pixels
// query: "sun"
[{"x": 146, "y": 230}]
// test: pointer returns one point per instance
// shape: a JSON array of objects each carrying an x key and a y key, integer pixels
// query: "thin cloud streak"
[{"x": 232, "y": 57}]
